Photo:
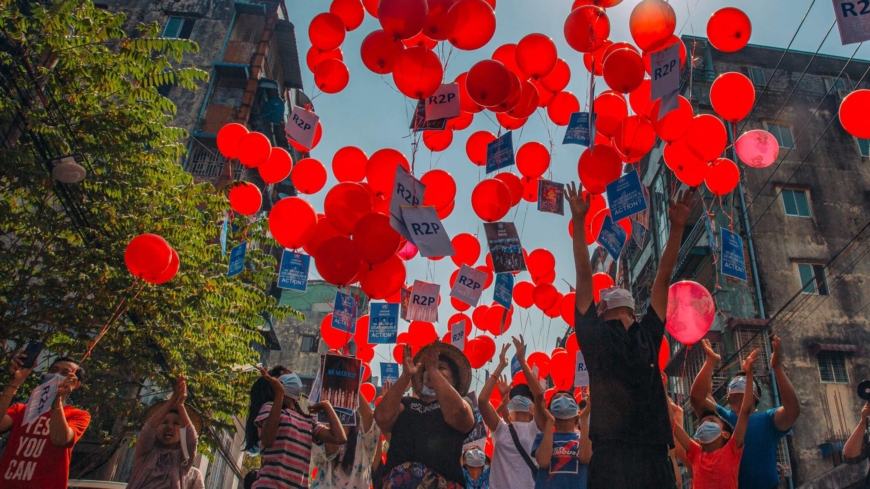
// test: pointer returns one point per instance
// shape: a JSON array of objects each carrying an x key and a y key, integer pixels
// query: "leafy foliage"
[{"x": 73, "y": 82}]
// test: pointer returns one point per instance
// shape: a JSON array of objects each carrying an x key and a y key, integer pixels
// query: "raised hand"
[
  {"x": 318, "y": 407},
  {"x": 19, "y": 373},
  {"x": 179, "y": 392},
  {"x": 502, "y": 358},
  {"x": 519, "y": 344},
  {"x": 708, "y": 349},
  {"x": 408, "y": 365},
  {"x": 679, "y": 210},
  {"x": 504, "y": 387},
  {"x": 749, "y": 363},
  {"x": 776, "y": 356},
  {"x": 277, "y": 386},
  {"x": 578, "y": 203}
]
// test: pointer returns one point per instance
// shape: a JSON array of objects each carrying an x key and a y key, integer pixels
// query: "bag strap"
[{"x": 522, "y": 451}]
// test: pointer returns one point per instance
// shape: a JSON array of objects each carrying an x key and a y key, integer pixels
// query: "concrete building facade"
[{"x": 804, "y": 225}]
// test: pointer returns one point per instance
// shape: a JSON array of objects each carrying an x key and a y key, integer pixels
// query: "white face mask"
[
  {"x": 427, "y": 392},
  {"x": 708, "y": 432}
]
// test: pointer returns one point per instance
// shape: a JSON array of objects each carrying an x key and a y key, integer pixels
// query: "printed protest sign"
[
  {"x": 407, "y": 191},
  {"x": 444, "y": 103},
  {"x": 733, "y": 260},
  {"x": 344, "y": 312},
  {"x": 389, "y": 372},
  {"x": 581, "y": 373},
  {"x": 504, "y": 289},
  {"x": 468, "y": 285},
  {"x": 457, "y": 334},
  {"x": 293, "y": 274},
  {"x": 40, "y": 400},
  {"x": 578, "y": 130},
  {"x": 424, "y": 302},
  {"x": 237, "y": 259},
  {"x": 406, "y": 302},
  {"x": 551, "y": 197},
  {"x": 420, "y": 123},
  {"x": 665, "y": 66},
  {"x": 500, "y": 153},
  {"x": 853, "y": 20},
  {"x": 625, "y": 196},
  {"x": 504, "y": 247},
  {"x": 427, "y": 232},
  {"x": 301, "y": 126},
  {"x": 612, "y": 237},
  {"x": 340, "y": 380},
  {"x": 383, "y": 323}
]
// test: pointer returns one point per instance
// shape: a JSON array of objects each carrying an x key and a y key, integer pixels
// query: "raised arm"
[
  {"x": 335, "y": 434},
  {"x": 544, "y": 453},
  {"x": 455, "y": 410},
  {"x": 269, "y": 430},
  {"x": 786, "y": 415},
  {"x": 680, "y": 435},
  {"x": 534, "y": 385},
  {"x": 585, "y": 442},
  {"x": 700, "y": 397},
  {"x": 748, "y": 401},
  {"x": 579, "y": 208},
  {"x": 487, "y": 411},
  {"x": 387, "y": 412},
  {"x": 855, "y": 443},
  {"x": 19, "y": 375},
  {"x": 365, "y": 413},
  {"x": 678, "y": 213}
]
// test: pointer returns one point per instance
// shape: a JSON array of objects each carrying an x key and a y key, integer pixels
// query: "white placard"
[
  {"x": 423, "y": 305},
  {"x": 301, "y": 126},
  {"x": 457, "y": 334},
  {"x": 469, "y": 285},
  {"x": 669, "y": 102},
  {"x": 581, "y": 373},
  {"x": 444, "y": 104},
  {"x": 40, "y": 400},
  {"x": 665, "y": 67},
  {"x": 407, "y": 191},
  {"x": 853, "y": 20},
  {"x": 427, "y": 232}
]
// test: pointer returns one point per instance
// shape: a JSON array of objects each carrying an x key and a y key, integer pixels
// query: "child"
[
  {"x": 717, "y": 448},
  {"x": 563, "y": 456},
  {"x": 475, "y": 469}
]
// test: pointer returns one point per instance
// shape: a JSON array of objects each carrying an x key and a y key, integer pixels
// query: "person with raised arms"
[{"x": 630, "y": 423}]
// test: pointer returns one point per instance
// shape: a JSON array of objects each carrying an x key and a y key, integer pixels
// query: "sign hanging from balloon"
[
  {"x": 423, "y": 304},
  {"x": 301, "y": 126}
]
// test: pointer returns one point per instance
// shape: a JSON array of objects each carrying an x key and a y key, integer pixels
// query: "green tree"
[{"x": 72, "y": 82}]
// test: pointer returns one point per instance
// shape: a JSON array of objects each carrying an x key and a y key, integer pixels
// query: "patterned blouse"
[{"x": 329, "y": 476}]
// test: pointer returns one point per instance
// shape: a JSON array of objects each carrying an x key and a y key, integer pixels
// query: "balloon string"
[{"x": 114, "y": 317}]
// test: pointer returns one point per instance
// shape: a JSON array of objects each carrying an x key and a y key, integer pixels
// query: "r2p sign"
[
  {"x": 444, "y": 103},
  {"x": 853, "y": 20}
]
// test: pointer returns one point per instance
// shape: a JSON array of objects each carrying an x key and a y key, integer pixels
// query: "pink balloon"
[
  {"x": 757, "y": 148},
  {"x": 408, "y": 251},
  {"x": 691, "y": 311}
]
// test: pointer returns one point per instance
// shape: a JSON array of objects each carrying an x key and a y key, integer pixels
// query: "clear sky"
[{"x": 371, "y": 114}]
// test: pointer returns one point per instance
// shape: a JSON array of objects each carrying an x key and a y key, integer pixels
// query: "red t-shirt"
[
  {"x": 715, "y": 470},
  {"x": 30, "y": 459}
]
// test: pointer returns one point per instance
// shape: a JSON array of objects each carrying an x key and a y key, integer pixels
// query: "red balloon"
[
  {"x": 600, "y": 281},
  {"x": 371, "y": 7},
  {"x": 368, "y": 391},
  {"x": 506, "y": 54},
  {"x": 403, "y": 19},
  {"x": 722, "y": 177},
  {"x": 513, "y": 98},
  {"x": 594, "y": 61},
  {"x": 351, "y": 13},
  {"x": 488, "y": 82},
  {"x": 729, "y": 29},
  {"x": 652, "y": 22},
  {"x": 509, "y": 122},
  {"x": 365, "y": 353},
  {"x": 639, "y": 99},
  {"x": 374, "y": 238},
  {"x": 277, "y": 167},
  {"x": 308, "y": 176},
  {"x": 479, "y": 350},
  {"x": 530, "y": 189},
  {"x": 623, "y": 70},
  {"x": 147, "y": 255},
  {"x": 547, "y": 278},
  {"x": 440, "y": 188},
  {"x": 491, "y": 200},
  {"x": 326, "y": 31},
  {"x": 445, "y": 212},
  {"x": 686, "y": 165},
  {"x": 345, "y": 204},
  {"x": 437, "y": 24},
  {"x": 562, "y": 370},
  {"x": 381, "y": 170},
  {"x": 459, "y": 305},
  {"x": 323, "y": 231},
  {"x": 664, "y": 354},
  {"x": 420, "y": 41},
  {"x": 599, "y": 3},
  {"x": 533, "y": 159},
  {"x": 542, "y": 361},
  {"x": 361, "y": 333},
  {"x": 476, "y": 145},
  {"x": 467, "y": 249},
  {"x": 489, "y": 275},
  {"x": 540, "y": 263},
  {"x": 471, "y": 24},
  {"x": 647, "y": 55},
  {"x": 561, "y": 107},
  {"x": 732, "y": 96},
  {"x": 567, "y": 306},
  {"x": 254, "y": 148},
  {"x": 610, "y": 110},
  {"x": 675, "y": 124},
  {"x": 558, "y": 78},
  {"x": 598, "y": 168},
  {"x": 707, "y": 137},
  {"x": 337, "y": 261},
  {"x": 167, "y": 274},
  {"x": 384, "y": 279},
  {"x": 853, "y": 114},
  {"x": 292, "y": 222},
  {"x": 438, "y": 141},
  {"x": 331, "y": 76},
  {"x": 421, "y": 333},
  {"x": 245, "y": 198},
  {"x": 634, "y": 138},
  {"x": 334, "y": 338},
  {"x": 498, "y": 320},
  {"x": 228, "y": 139},
  {"x": 461, "y": 122},
  {"x": 545, "y": 295},
  {"x": 466, "y": 103},
  {"x": 586, "y": 28},
  {"x": 536, "y": 55},
  {"x": 523, "y": 294},
  {"x": 514, "y": 184},
  {"x": 349, "y": 164},
  {"x": 417, "y": 72},
  {"x": 544, "y": 96},
  {"x": 379, "y": 52}
]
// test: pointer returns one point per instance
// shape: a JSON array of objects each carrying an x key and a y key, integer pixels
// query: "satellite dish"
[
  {"x": 274, "y": 111},
  {"x": 66, "y": 170}
]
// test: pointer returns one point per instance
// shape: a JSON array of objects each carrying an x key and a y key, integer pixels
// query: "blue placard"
[
  {"x": 500, "y": 153},
  {"x": 237, "y": 259},
  {"x": 389, "y": 372},
  {"x": 344, "y": 313},
  {"x": 293, "y": 274},
  {"x": 612, "y": 237},
  {"x": 625, "y": 196},
  {"x": 504, "y": 289},
  {"x": 733, "y": 260},
  {"x": 578, "y": 131},
  {"x": 383, "y": 323},
  {"x": 224, "y": 230}
]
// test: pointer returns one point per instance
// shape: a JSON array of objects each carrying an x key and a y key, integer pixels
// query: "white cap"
[{"x": 617, "y": 297}]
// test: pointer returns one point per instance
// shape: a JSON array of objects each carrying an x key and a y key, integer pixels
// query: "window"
[
  {"x": 813, "y": 278},
  {"x": 164, "y": 89},
  {"x": 863, "y": 147},
  {"x": 756, "y": 74},
  {"x": 836, "y": 83},
  {"x": 309, "y": 344},
  {"x": 832, "y": 367},
  {"x": 782, "y": 133},
  {"x": 796, "y": 202},
  {"x": 179, "y": 27}
]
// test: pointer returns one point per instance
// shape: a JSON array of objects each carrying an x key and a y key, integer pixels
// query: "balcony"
[
  {"x": 208, "y": 163},
  {"x": 691, "y": 255}
]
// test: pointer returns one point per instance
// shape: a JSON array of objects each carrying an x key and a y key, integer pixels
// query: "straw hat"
[
  {"x": 451, "y": 354},
  {"x": 195, "y": 418}
]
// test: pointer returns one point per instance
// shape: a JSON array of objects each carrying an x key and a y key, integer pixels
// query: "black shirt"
[
  {"x": 629, "y": 404},
  {"x": 422, "y": 435}
]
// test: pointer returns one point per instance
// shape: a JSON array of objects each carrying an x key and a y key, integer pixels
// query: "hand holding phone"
[{"x": 31, "y": 353}]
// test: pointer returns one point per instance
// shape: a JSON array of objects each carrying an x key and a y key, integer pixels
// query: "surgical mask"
[
  {"x": 563, "y": 407},
  {"x": 427, "y": 392},
  {"x": 520, "y": 404},
  {"x": 51, "y": 376},
  {"x": 475, "y": 458},
  {"x": 737, "y": 386},
  {"x": 292, "y": 385},
  {"x": 708, "y": 432}
]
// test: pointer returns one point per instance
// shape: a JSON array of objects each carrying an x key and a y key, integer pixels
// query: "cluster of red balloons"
[
  {"x": 149, "y": 257},
  {"x": 327, "y": 33}
]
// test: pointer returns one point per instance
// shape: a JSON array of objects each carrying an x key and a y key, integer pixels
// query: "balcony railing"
[
  {"x": 690, "y": 242},
  {"x": 209, "y": 163}
]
